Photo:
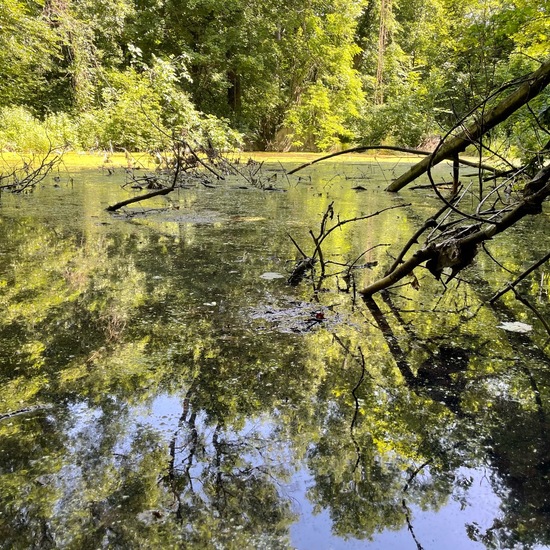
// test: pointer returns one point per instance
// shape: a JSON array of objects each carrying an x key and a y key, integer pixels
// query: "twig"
[
  {"x": 340, "y": 223},
  {"x": 430, "y": 222},
  {"x": 510, "y": 286},
  {"x": 296, "y": 245}
]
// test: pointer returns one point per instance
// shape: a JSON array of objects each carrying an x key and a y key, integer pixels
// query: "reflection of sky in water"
[
  {"x": 164, "y": 415},
  {"x": 444, "y": 529},
  {"x": 477, "y": 504}
]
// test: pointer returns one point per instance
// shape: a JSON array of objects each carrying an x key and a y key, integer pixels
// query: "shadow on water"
[{"x": 163, "y": 387}]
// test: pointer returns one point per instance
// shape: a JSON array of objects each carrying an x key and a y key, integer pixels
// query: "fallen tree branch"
[
  {"x": 307, "y": 262},
  {"x": 457, "y": 253},
  {"x": 178, "y": 149},
  {"x": 324, "y": 234},
  {"x": 408, "y": 150},
  {"x": 118, "y": 205},
  {"x": 531, "y": 87},
  {"x": 428, "y": 224},
  {"x": 201, "y": 162}
]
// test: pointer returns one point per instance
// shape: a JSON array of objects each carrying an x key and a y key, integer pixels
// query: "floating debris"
[
  {"x": 515, "y": 326},
  {"x": 297, "y": 317},
  {"x": 270, "y": 275}
]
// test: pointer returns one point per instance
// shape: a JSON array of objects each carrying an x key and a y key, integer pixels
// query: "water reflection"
[{"x": 154, "y": 395}]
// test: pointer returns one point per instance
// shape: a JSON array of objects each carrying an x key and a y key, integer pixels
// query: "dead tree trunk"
[{"x": 531, "y": 87}]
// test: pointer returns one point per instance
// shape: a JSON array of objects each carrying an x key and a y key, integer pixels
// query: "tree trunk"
[{"x": 385, "y": 12}]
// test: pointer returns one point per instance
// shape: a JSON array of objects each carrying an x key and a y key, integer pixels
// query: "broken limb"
[
  {"x": 159, "y": 192},
  {"x": 531, "y": 87},
  {"x": 408, "y": 150},
  {"x": 458, "y": 252}
]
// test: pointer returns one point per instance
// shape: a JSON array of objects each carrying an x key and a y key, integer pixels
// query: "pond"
[{"x": 163, "y": 386}]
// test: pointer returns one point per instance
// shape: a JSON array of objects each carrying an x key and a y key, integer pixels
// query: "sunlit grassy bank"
[{"x": 102, "y": 159}]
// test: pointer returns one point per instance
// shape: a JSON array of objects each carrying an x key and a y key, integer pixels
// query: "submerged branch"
[
  {"x": 510, "y": 286},
  {"x": 159, "y": 192}
]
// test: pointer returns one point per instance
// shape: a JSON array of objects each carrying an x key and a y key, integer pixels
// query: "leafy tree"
[
  {"x": 28, "y": 48},
  {"x": 325, "y": 90},
  {"x": 254, "y": 62}
]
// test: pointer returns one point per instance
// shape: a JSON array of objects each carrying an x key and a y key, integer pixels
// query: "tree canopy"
[{"x": 281, "y": 75}]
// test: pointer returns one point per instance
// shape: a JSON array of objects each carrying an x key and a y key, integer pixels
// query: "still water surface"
[{"x": 164, "y": 387}]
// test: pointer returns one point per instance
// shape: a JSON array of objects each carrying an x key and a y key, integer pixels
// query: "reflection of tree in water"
[
  {"x": 128, "y": 484},
  {"x": 29, "y": 450},
  {"x": 98, "y": 350},
  {"x": 88, "y": 336},
  {"x": 519, "y": 451},
  {"x": 408, "y": 446},
  {"x": 229, "y": 483},
  {"x": 368, "y": 478}
]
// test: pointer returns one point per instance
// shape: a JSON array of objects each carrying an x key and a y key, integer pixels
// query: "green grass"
[{"x": 98, "y": 160}]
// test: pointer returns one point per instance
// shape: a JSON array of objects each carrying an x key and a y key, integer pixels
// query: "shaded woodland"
[{"x": 262, "y": 75}]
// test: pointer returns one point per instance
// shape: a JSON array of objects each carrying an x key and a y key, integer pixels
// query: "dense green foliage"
[{"x": 313, "y": 75}]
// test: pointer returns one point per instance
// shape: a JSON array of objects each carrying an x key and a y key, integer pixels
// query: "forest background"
[{"x": 263, "y": 74}]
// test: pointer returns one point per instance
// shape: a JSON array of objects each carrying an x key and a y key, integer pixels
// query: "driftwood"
[
  {"x": 158, "y": 192},
  {"x": 531, "y": 87}
]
